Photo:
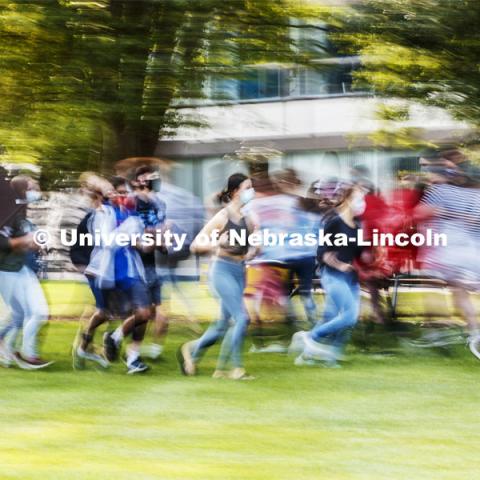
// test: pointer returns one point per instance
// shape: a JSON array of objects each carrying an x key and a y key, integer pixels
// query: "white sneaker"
[
  {"x": 474, "y": 345},
  {"x": 6, "y": 356},
  {"x": 103, "y": 362},
  {"x": 297, "y": 343},
  {"x": 319, "y": 351},
  {"x": 301, "y": 361},
  {"x": 153, "y": 350}
]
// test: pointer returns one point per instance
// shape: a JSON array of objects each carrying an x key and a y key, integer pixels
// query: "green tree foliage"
[
  {"x": 423, "y": 50},
  {"x": 85, "y": 83}
]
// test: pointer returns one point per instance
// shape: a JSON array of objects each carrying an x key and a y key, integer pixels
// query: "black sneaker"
[
  {"x": 110, "y": 347},
  {"x": 137, "y": 366}
]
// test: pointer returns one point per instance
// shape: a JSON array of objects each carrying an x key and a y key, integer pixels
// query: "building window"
[{"x": 263, "y": 83}]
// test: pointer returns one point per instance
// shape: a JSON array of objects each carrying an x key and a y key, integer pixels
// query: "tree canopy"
[
  {"x": 422, "y": 50},
  {"x": 85, "y": 83}
]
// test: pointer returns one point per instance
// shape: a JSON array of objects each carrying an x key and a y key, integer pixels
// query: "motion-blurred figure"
[
  {"x": 373, "y": 267},
  {"x": 115, "y": 268},
  {"x": 19, "y": 285},
  {"x": 326, "y": 341},
  {"x": 403, "y": 201},
  {"x": 184, "y": 215},
  {"x": 227, "y": 279},
  {"x": 304, "y": 218},
  {"x": 451, "y": 207},
  {"x": 153, "y": 211}
]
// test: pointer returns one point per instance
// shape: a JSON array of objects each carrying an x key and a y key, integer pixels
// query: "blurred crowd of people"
[{"x": 255, "y": 285}]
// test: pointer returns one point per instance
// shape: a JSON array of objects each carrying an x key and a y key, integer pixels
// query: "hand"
[
  {"x": 224, "y": 240},
  {"x": 24, "y": 243},
  {"x": 345, "y": 267}
]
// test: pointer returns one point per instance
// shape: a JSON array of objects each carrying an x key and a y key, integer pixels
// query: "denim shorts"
[
  {"x": 98, "y": 293},
  {"x": 154, "y": 285},
  {"x": 134, "y": 293}
]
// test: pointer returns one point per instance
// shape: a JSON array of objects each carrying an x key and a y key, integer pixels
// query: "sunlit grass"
[
  {"x": 408, "y": 416},
  {"x": 399, "y": 417}
]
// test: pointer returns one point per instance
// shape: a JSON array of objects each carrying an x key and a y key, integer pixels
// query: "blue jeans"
[
  {"x": 227, "y": 280},
  {"x": 23, "y": 295},
  {"x": 342, "y": 306}
]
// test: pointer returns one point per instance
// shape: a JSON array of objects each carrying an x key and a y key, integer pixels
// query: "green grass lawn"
[
  {"x": 408, "y": 416},
  {"x": 401, "y": 417}
]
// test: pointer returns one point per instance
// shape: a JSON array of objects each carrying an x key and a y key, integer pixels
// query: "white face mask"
[
  {"x": 32, "y": 196},
  {"x": 358, "y": 205},
  {"x": 247, "y": 195}
]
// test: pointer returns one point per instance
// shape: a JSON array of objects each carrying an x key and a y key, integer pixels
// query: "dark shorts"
[
  {"x": 154, "y": 285},
  {"x": 130, "y": 294},
  {"x": 137, "y": 293},
  {"x": 98, "y": 293}
]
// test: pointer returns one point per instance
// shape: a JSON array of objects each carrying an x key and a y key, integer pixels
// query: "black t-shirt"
[{"x": 345, "y": 253}]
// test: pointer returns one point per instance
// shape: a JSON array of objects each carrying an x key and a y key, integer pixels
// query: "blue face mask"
[
  {"x": 32, "y": 196},
  {"x": 247, "y": 195}
]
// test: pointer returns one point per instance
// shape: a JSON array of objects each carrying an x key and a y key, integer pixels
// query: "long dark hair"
[{"x": 233, "y": 183}]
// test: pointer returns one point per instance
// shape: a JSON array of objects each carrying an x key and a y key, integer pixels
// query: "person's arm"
[
  {"x": 4, "y": 243},
  {"x": 331, "y": 259},
  {"x": 216, "y": 223},
  {"x": 430, "y": 204},
  {"x": 424, "y": 211},
  {"x": 253, "y": 223},
  {"x": 23, "y": 243}
]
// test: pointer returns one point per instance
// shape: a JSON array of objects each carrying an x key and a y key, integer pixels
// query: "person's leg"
[
  {"x": 37, "y": 315},
  {"x": 161, "y": 324},
  {"x": 341, "y": 337},
  {"x": 463, "y": 303},
  {"x": 136, "y": 294},
  {"x": 14, "y": 298},
  {"x": 304, "y": 268},
  {"x": 181, "y": 293},
  {"x": 160, "y": 327},
  {"x": 375, "y": 301},
  {"x": 124, "y": 329},
  {"x": 213, "y": 333},
  {"x": 142, "y": 296},
  {"x": 99, "y": 316},
  {"x": 83, "y": 341},
  {"x": 343, "y": 292},
  {"x": 229, "y": 283},
  {"x": 12, "y": 294},
  {"x": 112, "y": 341},
  {"x": 142, "y": 316},
  {"x": 9, "y": 333},
  {"x": 224, "y": 285},
  {"x": 330, "y": 310}
]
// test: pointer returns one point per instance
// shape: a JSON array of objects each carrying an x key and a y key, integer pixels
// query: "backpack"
[{"x": 80, "y": 254}]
